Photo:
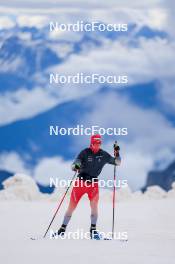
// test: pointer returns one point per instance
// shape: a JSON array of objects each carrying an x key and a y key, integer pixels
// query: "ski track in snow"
[{"x": 150, "y": 225}]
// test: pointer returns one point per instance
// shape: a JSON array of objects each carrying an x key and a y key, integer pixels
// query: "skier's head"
[{"x": 95, "y": 143}]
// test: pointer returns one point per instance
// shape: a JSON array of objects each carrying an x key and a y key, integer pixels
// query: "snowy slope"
[
  {"x": 148, "y": 220},
  {"x": 150, "y": 227}
]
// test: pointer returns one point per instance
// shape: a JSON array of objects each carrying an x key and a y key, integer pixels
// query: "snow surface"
[{"x": 149, "y": 220}]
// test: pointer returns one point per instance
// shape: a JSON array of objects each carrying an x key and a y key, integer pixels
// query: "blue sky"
[{"x": 28, "y": 104}]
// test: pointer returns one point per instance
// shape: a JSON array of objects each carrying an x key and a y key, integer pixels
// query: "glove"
[
  {"x": 76, "y": 166},
  {"x": 116, "y": 150}
]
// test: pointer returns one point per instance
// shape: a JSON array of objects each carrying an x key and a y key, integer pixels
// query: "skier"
[{"x": 89, "y": 164}]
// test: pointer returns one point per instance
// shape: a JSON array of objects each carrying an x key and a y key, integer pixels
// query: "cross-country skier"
[{"x": 89, "y": 164}]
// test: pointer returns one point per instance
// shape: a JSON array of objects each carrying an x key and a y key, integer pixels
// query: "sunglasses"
[{"x": 97, "y": 143}]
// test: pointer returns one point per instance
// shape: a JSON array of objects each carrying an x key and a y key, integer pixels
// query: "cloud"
[
  {"x": 156, "y": 18},
  {"x": 146, "y": 127},
  {"x": 151, "y": 59},
  {"x": 48, "y": 167},
  {"x": 53, "y": 167},
  {"x": 134, "y": 166},
  {"x": 150, "y": 139},
  {"x": 6, "y": 22},
  {"x": 169, "y": 7},
  {"x": 32, "y": 21},
  {"x": 23, "y": 104},
  {"x": 11, "y": 65},
  {"x": 153, "y": 13},
  {"x": 167, "y": 95},
  {"x": 81, "y": 4},
  {"x": 155, "y": 57},
  {"x": 12, "y": 161},
  {"x": 144, "y": 147}
]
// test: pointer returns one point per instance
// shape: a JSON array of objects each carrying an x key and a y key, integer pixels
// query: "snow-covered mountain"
[
  {"x": 5, "y": 175},
  {"x": 163, "y": 178},
  {"x": 29, "y": 105},
  {"x": 28, "y": 51}
]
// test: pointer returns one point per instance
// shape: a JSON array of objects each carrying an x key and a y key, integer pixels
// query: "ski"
[
  {"x": 102, "y": 238},
  {"x": 37, "y": 238},
  {"x": 118, "y": 240}
]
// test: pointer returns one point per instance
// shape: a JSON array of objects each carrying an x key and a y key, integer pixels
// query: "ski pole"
[
  {"x": 59, "y": 205},
  {"x": 113, "y": 199}
]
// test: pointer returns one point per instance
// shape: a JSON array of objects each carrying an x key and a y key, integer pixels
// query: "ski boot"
[
  {"x": 60, "y": 232},
  {"x": 94, "y": 234}
]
